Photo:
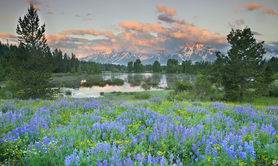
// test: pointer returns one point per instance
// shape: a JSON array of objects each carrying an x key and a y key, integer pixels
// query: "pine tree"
[
  {"x": 31, "y": 62},
  {"x": 29, "y": 32},
  {"x": 242, "y": 67}
]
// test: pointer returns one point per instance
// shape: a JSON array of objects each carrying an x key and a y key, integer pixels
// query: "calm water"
[{"x": 132, "y": 80}]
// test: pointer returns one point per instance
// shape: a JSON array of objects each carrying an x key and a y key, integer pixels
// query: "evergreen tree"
[
  {"x": 29, "y": 32},
  {"x": 156, "y": 67},
  {"x": 31, "y": 63},
  {"x": 242, "y": 66}
]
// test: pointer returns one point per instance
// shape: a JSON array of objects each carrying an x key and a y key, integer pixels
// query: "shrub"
[
  {"x": 117, "y": 81},
  {"x": 180, "y": 86},
  {"x": 273, "y": 90}
]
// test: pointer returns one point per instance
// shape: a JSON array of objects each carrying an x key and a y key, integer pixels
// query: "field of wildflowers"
[{"x": 155, "y": 132}]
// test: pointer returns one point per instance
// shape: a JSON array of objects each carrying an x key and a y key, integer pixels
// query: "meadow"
[{"x": 147, "y": 132}]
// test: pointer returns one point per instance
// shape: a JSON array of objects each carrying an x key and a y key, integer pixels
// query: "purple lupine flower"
[
  {"x": 162, "y": 161},
  {"x": 214, "y": 154},
  {"x": 194, "y": 147},
  {"x": 140, "y": 135},
  {"x": 149, "y": 159},
  {"x": 39, "y": 145},
  {"x": 105, "y": 163},
  {"x": 171, "y": 158}
]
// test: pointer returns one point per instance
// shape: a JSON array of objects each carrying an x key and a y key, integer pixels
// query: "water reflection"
[{"x": 133, "y": 82}]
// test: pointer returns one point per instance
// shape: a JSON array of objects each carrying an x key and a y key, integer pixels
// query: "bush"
[
  {"x": 275, "y": 76},
  {"x": 201, "y": 89},
  {"x": 86, "y": 84},
  {"x": 117, "y": 81},
  {"x": 203, "y": 86},
  {"x": 273, "y": 90},
  {"x": 180, "y": 86}
]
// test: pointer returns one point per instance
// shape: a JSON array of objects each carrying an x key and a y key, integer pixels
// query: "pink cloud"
[
  {"x": 137, "y": 37},
  {"x": 253, "y": 6},
  {"x": 88, "y": 32},
  {"x": 166, "y": 13},
  {"x": 7, "y": 35},
  {"x": 237, "y": 24},
  {"x": 50, "y": 13},
  {"x": 269, "y": 11},
  {"x": 34, "y": 2},
  {"x": 259, "y": 7},
  {"x": 166, "y": 10}
]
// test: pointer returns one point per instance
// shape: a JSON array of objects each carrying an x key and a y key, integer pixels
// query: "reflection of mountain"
[{"x": 196, "y": 52}]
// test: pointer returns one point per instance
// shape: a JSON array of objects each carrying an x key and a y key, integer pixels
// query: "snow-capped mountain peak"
[{"x": 194, "y": 52}]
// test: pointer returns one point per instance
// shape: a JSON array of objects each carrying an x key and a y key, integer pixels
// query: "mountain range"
[{"x": 195, "y": 52}]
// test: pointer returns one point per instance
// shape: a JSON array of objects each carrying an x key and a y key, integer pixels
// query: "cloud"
[
  {"x": 269, "y": 11},
  {"x": 50, "y": 13},
  {"x": 256, "y": 33},
  {"x": 137, "y": 37},
  {"x": 237, "y": 23},
  {"x": 88, "y": 32},
  {"x": 166, "y": 10},
  {"x": 253, "y": 6},
  {"x": 259, "y": 7},
  {"x": 166, "y": 13},
  {"x": 85, "y": 17},
  {"x": 274, "y": 43},
  {"x": 34, "y": 2},
  {"x": 7, "y": 36}
]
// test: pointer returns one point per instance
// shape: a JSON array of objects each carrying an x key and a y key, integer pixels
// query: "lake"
[{"x": 133, "y": 82}]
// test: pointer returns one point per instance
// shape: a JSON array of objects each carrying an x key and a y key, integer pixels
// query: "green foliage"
[
  {"x": 272, "y": 90},
  {"x": 138, "y": 67},
  {"x": 30, "y": 64},
  {"x": 172, "y": 66},
  {"x": 241, "y": 69},
  {"x": 156, "y": 67},
  {"x": 130, "y": 66},
  {"x": 29, "y": 32},
  {"x": 201, "y": 89},
  {"x": 180, "y": 86},
  {"x": 203, "y": 86},
  {"x": 273, "y": 62}
]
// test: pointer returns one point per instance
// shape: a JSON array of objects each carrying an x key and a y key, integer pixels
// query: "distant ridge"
[{"x": 194, "y": 52}]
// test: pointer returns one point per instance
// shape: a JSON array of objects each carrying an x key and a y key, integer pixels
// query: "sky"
[{"x": 84, "y": 27}]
